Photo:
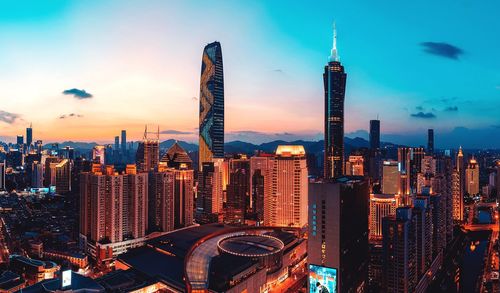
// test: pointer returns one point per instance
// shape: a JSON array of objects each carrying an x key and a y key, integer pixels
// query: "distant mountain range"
[{"x": 241, "y": 146}]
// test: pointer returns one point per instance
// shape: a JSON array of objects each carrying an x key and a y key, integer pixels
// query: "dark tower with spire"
[{"x": 334, "y": 79}]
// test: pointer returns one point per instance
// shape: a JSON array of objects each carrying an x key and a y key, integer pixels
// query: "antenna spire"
[{"x": 334, "y": 54}]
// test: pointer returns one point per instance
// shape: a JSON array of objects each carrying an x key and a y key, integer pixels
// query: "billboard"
[
  {"x": 322, "y": 279},
  {"x": 66, "y": 278}
]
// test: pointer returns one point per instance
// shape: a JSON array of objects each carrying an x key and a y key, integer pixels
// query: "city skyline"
[{"x": 130, "y": 79}]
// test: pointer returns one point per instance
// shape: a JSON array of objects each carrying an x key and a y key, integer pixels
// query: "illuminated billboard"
[
  {"x": 66, "y": 278},
  {"x": 322, "y": 279}
]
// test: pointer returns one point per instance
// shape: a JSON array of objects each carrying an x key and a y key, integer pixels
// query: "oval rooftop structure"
[{"x": 250, "y": 245}]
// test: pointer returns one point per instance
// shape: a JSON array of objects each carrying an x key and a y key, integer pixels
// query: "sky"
[{"x": 84, "y": 70}]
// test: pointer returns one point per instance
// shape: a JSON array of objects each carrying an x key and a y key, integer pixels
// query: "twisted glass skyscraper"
[{"x": 211, "y": 140}]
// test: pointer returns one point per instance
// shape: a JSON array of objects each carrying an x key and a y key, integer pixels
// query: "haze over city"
[{"x": 82, "y": 71}]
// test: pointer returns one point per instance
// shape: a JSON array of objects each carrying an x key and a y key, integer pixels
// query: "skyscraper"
[
  {"x": 374, "y": 135},
  {"x": 375, "y": 154},
  {"x": 334, "y": 80},
  {"x": 260, "y": 166},
  {"x": 210, "y": 193},
  {"x": 211, "y": 127},
  {"x": 124, "y": 141},
  {"x": 238, "y": 197},
  {"x": 381, "y": 205},
  {"x": 63, "y": 176},
  {"x": 430, "y": 141},
  {"x": 20, "y": 141},
  {"x": 29, "y": 135},
  {"x": 472, "y": 177},
  {"x": 399, "y": 252},
  {"x": 117, "y": 143},
  {"x": 287, "y": 202},
  {"x": 355, "y": 166},
  {"x": 338, "y": 230}
]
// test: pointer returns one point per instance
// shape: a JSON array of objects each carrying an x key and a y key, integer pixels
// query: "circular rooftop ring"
[{"x": 250, "y": 245}]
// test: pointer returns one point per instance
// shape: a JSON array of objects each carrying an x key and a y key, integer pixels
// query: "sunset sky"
[{"x": 84, "y": 70}]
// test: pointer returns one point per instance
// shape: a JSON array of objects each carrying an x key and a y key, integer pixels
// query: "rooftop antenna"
[{"x": 334, "y": 54}]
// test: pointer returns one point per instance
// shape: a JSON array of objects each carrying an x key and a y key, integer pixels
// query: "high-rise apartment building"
[
  {"x": 210, "y": 194},
  {"x": 472, "y": 177},
  {"x": 334, "y": 80},
  {"x": 287, "y": 202},
  {"x": 260, "y": 183},
  {"x": 458, "y": 201},
  {"x": 36, "y": 175},
  {"x": 2, "y": 175},
  {"x": 99, "y": 154},
  {"x": 113, "y": 207},
  {"x": 338, "y": 230},
  {"x": 161, "y": 192},
  {"x": 422, "y": 213},
  {"x": 211, "y": 124},
  {"x": 399, "y": 252}
]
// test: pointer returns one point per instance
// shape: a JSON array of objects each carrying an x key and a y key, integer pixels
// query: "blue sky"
[{"x": 414, "y": 64}]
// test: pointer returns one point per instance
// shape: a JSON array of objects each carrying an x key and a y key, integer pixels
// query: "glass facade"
[{"x": 211, "y": 140}]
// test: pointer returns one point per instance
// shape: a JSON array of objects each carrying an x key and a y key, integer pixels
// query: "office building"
[
  {"x": 211, "y": 124},
  {"x": 355, "y": 166},
  {"x": 63, "y": 176},
  {"x": 117, "y": 143},
  {"x": 124, "y": 141},
  {"x": 287, "y": 202},
  {"x": 430, "y": 141},
  {"x": 238, "y": 197},
  {"x": 472, "y": 177},
  {"x": 334, "y": 80},
  {"x": 148, "y": 151},
  {"x": 390, "y": 177},
  {"x": 29, "y": 136},
  {"x": 381, "y": 205},
  {"x": 260, "y": 183},
  {"x": 399, "y": 252},
  {"x": 210, "y": 194},
  {"x": 20, "y": 141},
  {"x": 375, "y": 153},
  {"x": 338, "y": 230}
]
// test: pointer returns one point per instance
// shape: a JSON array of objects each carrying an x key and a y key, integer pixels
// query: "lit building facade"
[
  {"x": 334, "y": 80},
  {"x": 287, "y": 202},
  {"x": 148, "y": 151},
  {"x": 211, "y": 124},
  {"x": 63, "y": 176},
  {"x": 355, "y": 166},
  {"x": 457, "y": 198},
  {"x": 390, "y": 177},
  {"x": 238, "y": 197},
  {"x": 381, "y": 205},
  {"x": 472, "y": 177},
  {"x": 113, "y": 209},
  {"x": 338, "y": 230}
]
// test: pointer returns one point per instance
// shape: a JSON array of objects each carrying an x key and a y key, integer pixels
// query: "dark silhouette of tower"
[
  {"x": 334, "y": 79},
  {"x": 430, "y": 141}
]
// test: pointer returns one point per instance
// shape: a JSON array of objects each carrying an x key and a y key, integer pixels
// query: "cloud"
[
  {"x": 419, "y": 108},
  {"x": 284, "y": 133},
  {"x": 78, "y": 94},
  {"x": 442, "y": 49},
  {"x": 451, "y": 109},
  {"x": 496, "y": 126},
  {"x": 423, "y": 115},
  {"x": 64, "y": 116},
  {"x": 8, "y": 117},
  {"x": 175, "y": 132}
]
